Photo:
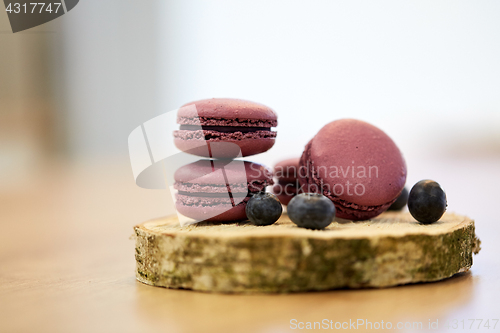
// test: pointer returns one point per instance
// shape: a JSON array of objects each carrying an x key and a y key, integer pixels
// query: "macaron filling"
[
  {"x": 254, "y": 185},
  {"x": 218, "y": 122},
  {"x": 221, "y": 136},
  {"x": 226, "y": 131}
]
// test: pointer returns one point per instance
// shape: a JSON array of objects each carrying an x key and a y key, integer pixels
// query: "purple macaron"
[
  {"x": 218, "y": 190},
  {"x": 286, "y": 172},
  {"x": 242, "y": 125},
  {"x": 356, "y": 165}
]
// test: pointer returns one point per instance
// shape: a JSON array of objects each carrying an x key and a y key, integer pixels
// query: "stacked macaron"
[
  {"x": 218, "y": 190},
  {"x": 221, "y": 129},
  {"x": 244, "y": 125}
]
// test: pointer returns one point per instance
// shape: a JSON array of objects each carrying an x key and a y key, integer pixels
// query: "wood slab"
[{"x": 389, "y": 250}]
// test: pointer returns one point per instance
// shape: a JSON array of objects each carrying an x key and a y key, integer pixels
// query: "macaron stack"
[
  {"x": 354, "y": 164},
  {"x": 218, "y": 187}
]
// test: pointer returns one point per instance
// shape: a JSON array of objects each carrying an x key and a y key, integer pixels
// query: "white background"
[{"x": 426, "y": 72}]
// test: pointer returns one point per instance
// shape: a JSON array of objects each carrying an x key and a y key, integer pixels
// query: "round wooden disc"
[{"x": 389, "y": 250}]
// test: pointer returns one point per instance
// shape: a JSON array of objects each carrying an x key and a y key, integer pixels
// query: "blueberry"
[
  {"x": 427, "y": 201},
  {"x": 263, "y": 208},
  {"x": 400, "y": 201},
  {"x": 311, "y": 210}
]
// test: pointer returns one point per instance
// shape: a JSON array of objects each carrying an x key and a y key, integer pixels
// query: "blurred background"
[
  {"x": 427, "y": 73},
  {"x": 73, "y": 89}
]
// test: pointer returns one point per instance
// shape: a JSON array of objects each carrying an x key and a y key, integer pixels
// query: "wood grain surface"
[{"x": 67, "y": 262}]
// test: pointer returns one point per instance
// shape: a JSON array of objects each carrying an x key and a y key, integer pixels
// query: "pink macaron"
[
  {"x": 218, "y": 190},
  {"x": 356, "y": 165},
  {"x": 225, "y": 128},
  {"x": 286, "y": 172}
]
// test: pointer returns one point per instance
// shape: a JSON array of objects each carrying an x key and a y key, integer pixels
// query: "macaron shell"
[
  {"x": 287, "y": 170},
  {"x": 357, "y": 213},
  {"x": 284, "y": 199},
  {"x": 210, "y": 211},
  {"x": 284, "y": 193},
  {"x": 206, "y": 172},
  {"x": 228, "y": 108}
]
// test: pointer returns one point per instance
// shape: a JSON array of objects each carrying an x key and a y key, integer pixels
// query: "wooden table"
[{"x": 67, "y": 262}]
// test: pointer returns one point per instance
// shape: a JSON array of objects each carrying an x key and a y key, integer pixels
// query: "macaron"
[
  {"x": 218, "y": 190},
  {"x": 225, "y": 128},
  {"x": 286, "y": 172},
  {"x": 356, "y": 165}
]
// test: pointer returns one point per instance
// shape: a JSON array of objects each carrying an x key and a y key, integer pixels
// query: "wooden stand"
[{"x": 389, "y": 250}]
